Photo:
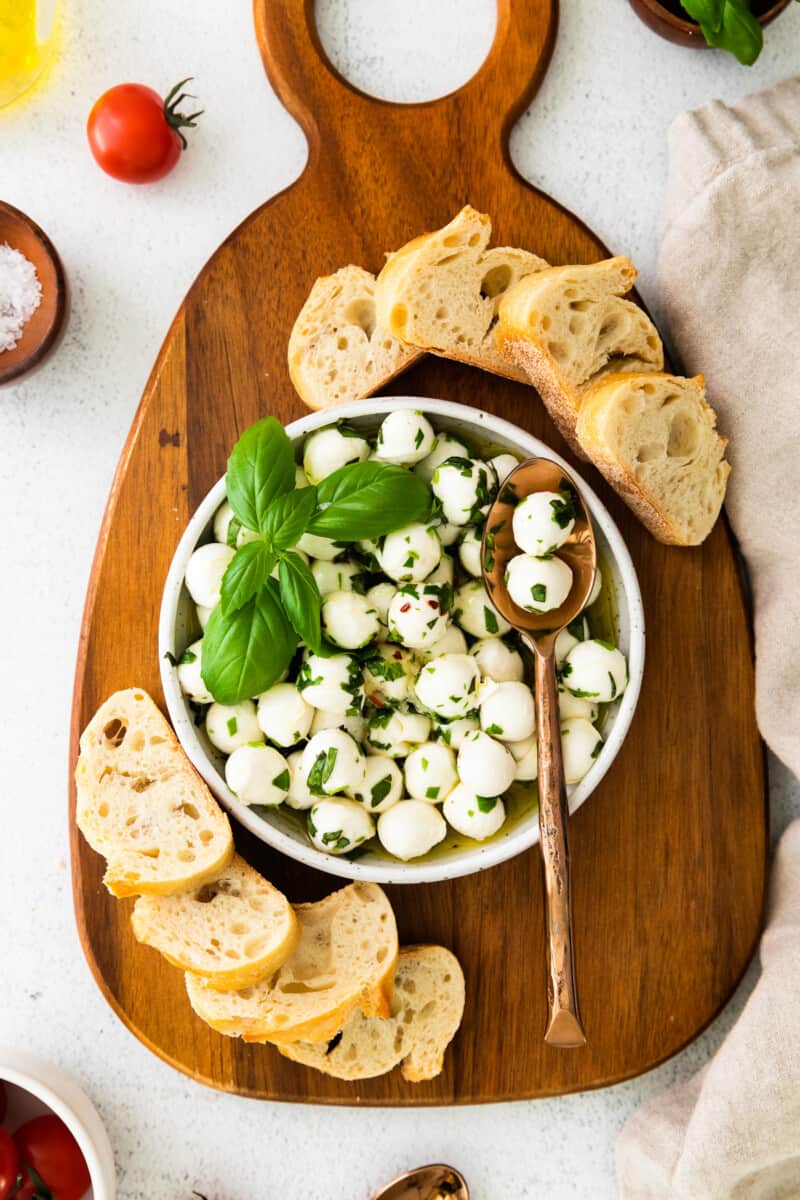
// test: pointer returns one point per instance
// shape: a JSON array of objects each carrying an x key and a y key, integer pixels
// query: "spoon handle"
[{"x": 564, "y": 1028}]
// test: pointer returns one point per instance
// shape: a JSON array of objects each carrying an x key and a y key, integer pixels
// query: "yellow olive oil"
[{"x": 27, "y": 34}]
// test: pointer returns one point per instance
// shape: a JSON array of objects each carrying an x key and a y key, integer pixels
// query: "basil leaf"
[
  {"x": 301, "y": 600},
  {"x": 287, "y": 518},
  {"x": 260, "y": 468},
  {"x": 246, "y": 574},
  {"x": 740, "y": 32},
  {"x": 245, "y": 652},
  {"x": 367, "y": 500},
  {"x": 705, "y": 12}
]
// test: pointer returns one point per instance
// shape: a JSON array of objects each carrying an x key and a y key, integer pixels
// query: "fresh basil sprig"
[
  {"x": 260, "y": 468},
  {"x": 367, "y": 500},
  {"x": 729, "y": 25},
  {"x": 246, "y": 651}
]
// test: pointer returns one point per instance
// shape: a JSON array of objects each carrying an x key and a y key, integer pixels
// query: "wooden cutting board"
[{"x": 669, "y": 853}]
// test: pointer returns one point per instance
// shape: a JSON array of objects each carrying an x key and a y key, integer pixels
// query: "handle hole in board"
[{"x": 406, "y": 51}]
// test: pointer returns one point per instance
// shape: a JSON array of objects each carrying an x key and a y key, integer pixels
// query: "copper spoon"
[
  {"x": 539, "y": 632},
  {"x": 426, "y": 1183}
]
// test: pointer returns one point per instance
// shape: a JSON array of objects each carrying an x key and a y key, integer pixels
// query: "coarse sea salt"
[{"x": 20, "y": 295}]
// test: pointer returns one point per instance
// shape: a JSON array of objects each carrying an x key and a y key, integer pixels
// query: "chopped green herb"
[
  {"x": 490, "y": 620},
  {"x": 419, "y": 438},
  {"x": 322, "y": 769},
  {"x": 233, "y": 726},
  {"x": 282, "y": 781},
  {"x": 171, "y": 659},
  {"x": 563, "y": 510},
  {"x": 605, "y": 645},
  {"x": 496, "y": 730},
  {"x": 380, "y": 790},
  {"x": 613, "y": 685},
  {"x": 188, "y": 656},
  {"x": 598, "y": 747},
  {"x": 539, "y": 593},
  {"x": 486, "y": 803},
  {"x": 432, "y": 793}
]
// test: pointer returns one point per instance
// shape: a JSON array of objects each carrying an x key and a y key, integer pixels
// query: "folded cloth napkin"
[{"x": 729, "y": 272}]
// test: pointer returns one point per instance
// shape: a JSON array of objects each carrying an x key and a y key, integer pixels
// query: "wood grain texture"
[{"x": 669, "y": 854}]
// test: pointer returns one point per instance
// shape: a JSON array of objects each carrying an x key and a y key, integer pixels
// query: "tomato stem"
[{"x": 176, "y": 120}]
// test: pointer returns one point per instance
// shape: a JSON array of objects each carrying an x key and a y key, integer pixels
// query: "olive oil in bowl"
[{"x": 27, "y": 36}]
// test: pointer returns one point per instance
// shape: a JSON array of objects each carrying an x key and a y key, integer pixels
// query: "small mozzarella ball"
[
  {"x": 597, "y": 587},
  {"x": 300, "y": 477},
  {"x": 203, "y": 615},
  {"x": 204, "y": 572},
  {"x": 382, "y": 785},
  {"x": 595, "y": 670},
  {"x": 405, "y": 438},
  {"x": 430, "y": 772},
  {"x": 469, "y": 552},
  {"x": 497, "y": 661},
  {"x": 318, "y": 547},
  {"x": 538, "y": 585},
  {"x": 411, "y": 828},
  {"x": 449, "y": 534},
  {"x": 476, "y": 817},
  {"x": 349, "y": 620},
  {"x": 452, "y": 733},
  {"x": 484, "y": 765},
  {"x": 575, "y": 706},
  {"x": 508, "y": 712},
  {"x": 452, "y": 641},
  {"x": 284, "y": 714},
  {"x": 298, "y": 797},
  {"x": 335, "y": 576},
  {"x": 229, "y": 726},
  {"x": 543, "y": 521},
  {"x": 443, "y": 572},
  {"x": 396, "y": 733},
  {"x": 525, "y": 755},
  {"x": 329, "y": 449},
  {"x": 236, "y": 536},
  {"x": 333, "y": 762},
  {"x": 380, "y": 597},
  {"x": 355, "y": 725},
  {"x": 447, "y": 685},
  {"x": 190, "y": 665},
  {"x": 370, "y": 551},
  {"x": 338, "y": 826},
  {"x": 503, "y": 465},
  {"x": 446, "y": 447},
  {"x": 332, "y": 683},
  {"x": 416, "y": 615},
  {"x": 475, "y": 613},
  {"x": 580, "y": 746},
  {"x": 576, "y": 631},
  {"x": 464, "y": 486},
  {"x": 389, "y": 674},
  {"x": 258, "y": 775},
  {"x": 410, "y": 553}
]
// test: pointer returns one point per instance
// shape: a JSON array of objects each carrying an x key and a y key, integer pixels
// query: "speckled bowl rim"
[{"x": 476, "y": 424}]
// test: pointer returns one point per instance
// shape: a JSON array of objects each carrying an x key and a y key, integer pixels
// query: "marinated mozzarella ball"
[
  {"x": 356, "y": 725},
  {"x": 338, "y": 826},
  {"x": 258, "y": 775},
  {"x": 452, "y": 733},
  {"x": 448, "y": 534},
  {"x": 595, "y": 670},
  {"x": 477, "y": 817},
  {"x": 485, "y": 766},
  {"x": 538, "y": 584},
  {"x": 405, "y": 438},
  {"x": 576, "y": 631},
  {"x": 508, "y": 712},
  {"x": 446, "y": 447},
  {"x": 417, "y": 616},
  {"x": 525, "y": 755},
  {"x": 389, "y": 674},
  {"x": 380, "y": 597},
  {"x": 411, "y": 828},
  {"x": 382, "y": 785},
  {"x": 575, "y": 706},
  {"x": 503, "y": 465},
  {"x": 447, "y": 685},
  {"x": 370, "y": 550},
  {"x": 475, "y": 613},
  {"x": 329, "y": 449},
  {"x": 284, "y": 714},
  {"x": 543, "y": 521},
  {"x": 430, "y": 772},
  {"x": 318, "y": 547},
  {"x": 469, "y": 552},
  {"x": 335, "y": 576},
  {"x": 452, "y": 641},
  {"x": 232, "y": 725},
  {"x": 396, "y": 733},
  {"x": 203, "y": 615},
  {"x": 465, "y": 487},
  {"x": 410, "y": 554},
  {"x": 580, "y": 746},
  {"x": 497, "y": 661},
  {"x": 349, "y": 620},
  {"x": 204, "y": 572},
  {"x": 597, "y": 587},
  {"x": 333, "y": 762},
  {"x": 332, "y": 683},
  {"x": 298, "y": 796},
  {"x": 229, "y": 530},
  {"x": 190, "y": 665}
]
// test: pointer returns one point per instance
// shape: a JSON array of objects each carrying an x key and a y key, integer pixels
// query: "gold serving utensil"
[
  {"x": 426, "y": 1183},
  {"x": 539, "y": 632}
]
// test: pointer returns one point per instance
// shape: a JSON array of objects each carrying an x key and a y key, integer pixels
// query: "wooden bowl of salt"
[{"x": 33, "y": 294}]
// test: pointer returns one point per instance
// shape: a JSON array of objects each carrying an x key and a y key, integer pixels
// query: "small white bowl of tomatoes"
[{"x": 53, "y": 1145}]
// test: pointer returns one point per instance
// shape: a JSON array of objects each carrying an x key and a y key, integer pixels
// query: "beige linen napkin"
[{"x": 729, "y": 271}]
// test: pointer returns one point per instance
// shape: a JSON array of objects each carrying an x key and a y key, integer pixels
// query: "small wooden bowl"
[
  {"x": 681, "y": 30},
  {"x": 43, "y": 331}
]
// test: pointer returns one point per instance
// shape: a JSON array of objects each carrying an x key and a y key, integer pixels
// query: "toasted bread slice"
[
  {"x": 441, "y": 291},
  {"x": 654, "y": 438},
  {"x": 234, "y": 931},
  {"x": 426, "y": 1012},
  {"x": 142, "y": 806},
  {"x": 346, "y": 959},
  {"x": 337, "y": 350},
  {"x": 567, "y": 325}
]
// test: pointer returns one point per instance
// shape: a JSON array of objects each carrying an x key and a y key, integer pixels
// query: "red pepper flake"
[
  {"x": 397, "y": 654},
  {"x": 376, "y": 700},
  {"x": 405, "y": 607},
  {"x": 433, "y": 604}
]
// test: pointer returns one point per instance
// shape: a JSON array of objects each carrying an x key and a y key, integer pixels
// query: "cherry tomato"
[
  {"x": 47, "y": 1145},
  {"x": 136, "y": 136},
  {"x": 9, "y": 1164}
]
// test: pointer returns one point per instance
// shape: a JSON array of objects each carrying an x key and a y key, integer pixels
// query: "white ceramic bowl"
[
  {"x": 34, "y": 1087},
  {"x": 177, "y": 621}
]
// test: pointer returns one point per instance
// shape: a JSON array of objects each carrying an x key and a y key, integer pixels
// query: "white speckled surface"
[{"x": 595, "y": 138}]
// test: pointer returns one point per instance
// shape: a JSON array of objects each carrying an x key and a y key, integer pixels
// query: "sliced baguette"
[
  {"x": 426, "y": 1012},
  {"x": 346, "y": 959},
  {"x": 141, "y": 805},
  {"x": 337, "y": 350},
  {"x": 654, "y": 438},
  {"x": 234, "y": 931},
  {"x": 441, "y": 291},
  {"x": 567, "y": 325}
]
